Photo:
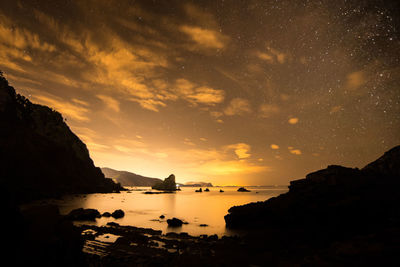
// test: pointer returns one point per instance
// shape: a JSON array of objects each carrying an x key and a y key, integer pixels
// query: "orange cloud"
[
  {"x": 275, "y": 147},
  {"x": 110, "y": 102},
  {"x": 293, "y": 120},
  {"x": 237, "y": 106},
  {"x": 267, "y": 110},
  {"x": 205, "y": 38}
]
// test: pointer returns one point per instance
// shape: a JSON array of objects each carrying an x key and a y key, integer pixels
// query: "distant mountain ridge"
[{"x": 128, "y": 178}]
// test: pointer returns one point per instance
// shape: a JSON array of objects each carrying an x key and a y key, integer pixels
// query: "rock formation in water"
[
  {"x": 129, "y": 179},
  {"x": 39, "y": 155},
  {"x": 167, "y": 185},
  {"x": 334, "y": 199}
]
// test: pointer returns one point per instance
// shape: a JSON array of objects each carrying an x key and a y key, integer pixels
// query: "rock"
[
  {"x": 221, "y": 191},
  {"x": 118, "y": 214},
  {"x": 207, "y": 190},
  {"x": 84, "y": 214},
  {"x": 39, "y": 151},
  {"x": 167, "y": 185},
  {"x": 343, "y": 200},
  {"x": 174, "y": 222},
  {"x": 199, "y": 190},
  {"x": 203, "y": 225},
  {"x": 106, "y": 214},
  {"x": 162, "y": 217},
  {"x": 113, "y": 224},
  {"x": 242, "y": 189}
]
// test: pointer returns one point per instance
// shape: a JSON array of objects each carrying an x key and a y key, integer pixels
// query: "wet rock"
[
  {"x": 84, "y": 214},
  {"x": 106, "y": 214},
  {"x": 118, "y": 214},
  {"x": 174, "y": 222},
  {"x": 203, "y": 225},
  {"x": 162, "y": 216},
  {"x": 242, "y": 189}
]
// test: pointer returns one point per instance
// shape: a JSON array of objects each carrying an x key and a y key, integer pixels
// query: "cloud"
[
  {"x": 294, "y": 151},
  {"x": 355, "y": 80},
  {"x": 67, "y": 109},
  {"x": 268, "y": 110},
  {"x": 188, "y": 142},
  {"x": 272, "y": 56},
  {"x": 237, "y": 106},
  {"x": 241, "y": 150},
  {"x": 110, "y": 102},
  {"x": 335, "y": 109},
  {"x": 273, "y": 146},
  {"x": 205, "y": 38},
  {"x": 293, "y": 120},
  {"x": 195, "y": 94}
]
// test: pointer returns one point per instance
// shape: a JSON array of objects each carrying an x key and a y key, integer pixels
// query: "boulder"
[
  {"x": 221, "y": 191},
  {"x": 199, "y": 190},
  {"x": 106, "y": 214},
  {"x": 83, "y": 214},
  {"x": 242, "y": 189},
  {"x": 207, "y": 190},
  {"x": 118, "y": 214},
  {"x": 174, "y": 222},
  {"x": 162, "y": 216}
]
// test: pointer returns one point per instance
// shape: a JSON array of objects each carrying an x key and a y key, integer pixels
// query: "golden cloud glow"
[
  {"x": 68, "y": 109},
  {"x": 268, "y": 110},
  {"x": 110, "y": 102},
  {"x": 273, "y": 146},
  {"x": 237, "y": 106},
  {"x": 293, "y": 120},
  {"x": 205, "y": 38}
]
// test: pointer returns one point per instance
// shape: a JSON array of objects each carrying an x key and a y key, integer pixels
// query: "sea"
[{"x": 203, "y": 213}]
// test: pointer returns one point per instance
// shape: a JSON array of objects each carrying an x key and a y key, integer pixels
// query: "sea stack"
[{"x": 167, "y": 185}]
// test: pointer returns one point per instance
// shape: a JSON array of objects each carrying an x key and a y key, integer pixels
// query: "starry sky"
[{"x": 228, "y": 92}]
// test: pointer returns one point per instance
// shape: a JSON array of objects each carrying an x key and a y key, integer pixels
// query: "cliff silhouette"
[
  {"x": 336, "y": 198},
  {"x": 129, "y": 179},
  {"x": 39, "y": 155}
]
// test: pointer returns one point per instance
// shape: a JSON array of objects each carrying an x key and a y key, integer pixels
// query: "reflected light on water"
[{"x": 144, "y": 210}]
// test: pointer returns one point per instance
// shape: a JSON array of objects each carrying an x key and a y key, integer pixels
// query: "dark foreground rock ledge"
[{"x": 337, "y": 197}]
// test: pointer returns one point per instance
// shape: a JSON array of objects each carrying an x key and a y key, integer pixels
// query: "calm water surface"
[{"x": 143, "y": 210}]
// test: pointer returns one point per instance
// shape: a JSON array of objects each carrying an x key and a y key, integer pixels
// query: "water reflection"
[{"x": 144, "y": 210}]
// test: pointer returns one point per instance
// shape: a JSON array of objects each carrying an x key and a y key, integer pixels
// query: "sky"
[{"x": 228, "y": 92}]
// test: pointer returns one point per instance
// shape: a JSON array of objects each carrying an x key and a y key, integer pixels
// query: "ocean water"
[{"x": 144, "y": 210}]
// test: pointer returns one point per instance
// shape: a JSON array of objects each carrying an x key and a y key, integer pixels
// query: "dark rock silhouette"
[
  {"x": 206, "y": 190},
  {"x": 128, "y": 178},
  {"x": 242, "y": 189},
  {"x": 106, "y": 214},
  {"x": 83, "y": 214},
  {"x": 199, "y": 190},
  {"x": 167, "y": 185},
  {"x": 333, "y": 198},
  {"x": 221, "y": 191},
  {"x": 117, "y": 214},
  {"x": 39, "y": 155},
  {"x": 174, "y": 222},
  {"x": 162, "y": 216}
]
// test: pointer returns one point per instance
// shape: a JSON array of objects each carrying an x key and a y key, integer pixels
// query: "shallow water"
[{"x": 143, "y": 210}]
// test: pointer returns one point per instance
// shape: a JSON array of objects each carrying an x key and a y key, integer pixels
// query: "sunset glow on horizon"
[{"x": 209, "y": 93}]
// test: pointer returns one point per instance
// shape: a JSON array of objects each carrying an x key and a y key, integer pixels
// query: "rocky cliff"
[
  {"x": 39, "y": 155},
  {"x": 333, "y": 198}
]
